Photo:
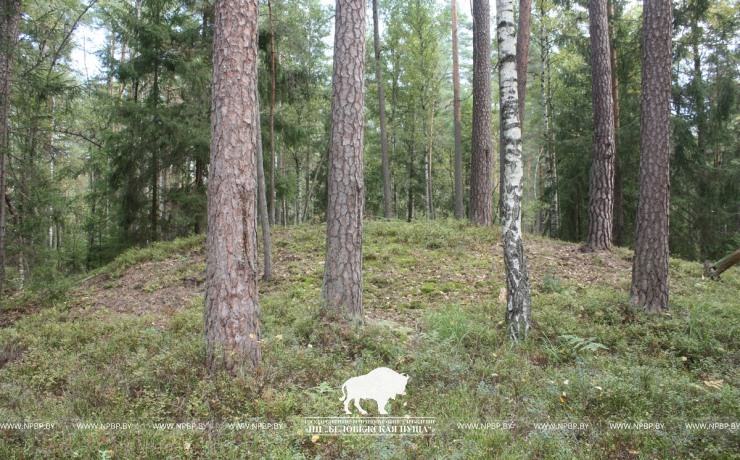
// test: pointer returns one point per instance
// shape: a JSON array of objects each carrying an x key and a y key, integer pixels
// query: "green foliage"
[
  {"x": 581, "y": 344},
  {"x": 69, "y": 364}
]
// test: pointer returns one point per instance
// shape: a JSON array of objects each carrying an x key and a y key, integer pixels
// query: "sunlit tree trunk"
[
  {"x": 342, "y": 289},
  {"x": 650, "y": 264},
  {"x": 232, "y": 315},
  {"x": 519, "y": 299}
]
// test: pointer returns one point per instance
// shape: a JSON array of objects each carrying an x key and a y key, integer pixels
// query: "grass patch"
[{"x": 434, "y": 316}]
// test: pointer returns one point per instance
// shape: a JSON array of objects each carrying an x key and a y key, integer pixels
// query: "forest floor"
[{"x": 122, "y": 352}]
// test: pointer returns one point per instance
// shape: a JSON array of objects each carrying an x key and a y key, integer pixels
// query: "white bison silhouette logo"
[{"x": 381, "y": 385}]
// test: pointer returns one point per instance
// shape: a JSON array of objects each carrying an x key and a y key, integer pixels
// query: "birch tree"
[{"x": 519, "y": 299}]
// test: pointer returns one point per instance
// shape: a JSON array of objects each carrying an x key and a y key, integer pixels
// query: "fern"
[{"x": 581, "y": 344}]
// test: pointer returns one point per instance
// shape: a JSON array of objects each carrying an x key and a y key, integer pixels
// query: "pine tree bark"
[
  {"x": 519, "y": 298},
  {"x": 650, "y": 264},
  {"x": 601, "y": 195},
  {"x": 618, "y": 215},
  {"x": 459, "y": 206},
  {"x": 272, "y": 117},
  {"x": 481, "y": 183},
  {"x": 522, "y": 53},
  {"x": 232, "y": 315},
  {"x": 262, "y": 197},
  {"x": 385, "y": 163},
  {"x": 342, "y": 289},
  {"x": 10, "y": 13}
]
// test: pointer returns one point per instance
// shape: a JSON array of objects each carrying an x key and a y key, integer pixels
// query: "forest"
[{"x": 214, "y": 213}]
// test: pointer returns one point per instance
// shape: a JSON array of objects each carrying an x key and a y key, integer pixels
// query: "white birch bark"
[{"x": 519, "y": 299}]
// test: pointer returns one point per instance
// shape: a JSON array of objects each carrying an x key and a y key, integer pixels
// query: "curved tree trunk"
[
  {"x": 342, "y": 289},
  {"x": 519, "y": 298},
  {"x": 387, "y": 198},
  {"x": 650, "y": 264},
  {"x": 601, "y": 195},
  {"x": 232, "y": 315},
  {"x": 459, "y": 206},
  {"x": 481, "y": 184}
]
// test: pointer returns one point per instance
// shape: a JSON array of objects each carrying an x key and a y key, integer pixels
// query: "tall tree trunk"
[
  {"x": 387, "y": 198},
  {"x": 519, "y": 298},
  {"x": 618, "y": 217},
  {"x": 262, "y": 197},
  {"x": 410, "y": 201},
  {"x": 601, "y": 195},
  {"x": 272, "y": 117},
  {"x": 10, "y": 13},
  {"x": 650, "y": 263},
  {"x": 232, "y": 315},
  {"x": 459, "y": 206},
  {"x": 481, "y": 183},
  {"x": 522, "y": 53},
  {"x": 550, "y": 183},
  {"x": 430, "y": 188},
  {"x": 342, "y": 289}
]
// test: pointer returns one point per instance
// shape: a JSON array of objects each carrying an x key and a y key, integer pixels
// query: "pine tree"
[
  {"x": 650, "y": 264},
  {"x": 601, "y": 194},
  {"x": 232, "y": 315},
  {"x": 481, "y": 184},
  {"x": 342, "y": 289}
]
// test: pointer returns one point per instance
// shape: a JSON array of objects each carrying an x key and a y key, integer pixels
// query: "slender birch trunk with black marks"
[
  {"x": 232, "y": 314},
  {"x": 519, "y": 299}
]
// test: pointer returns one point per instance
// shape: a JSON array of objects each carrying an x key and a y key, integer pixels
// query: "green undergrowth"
[
  {"x": 590, "y": 359},
  {"x": 157, "y": 251}
]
